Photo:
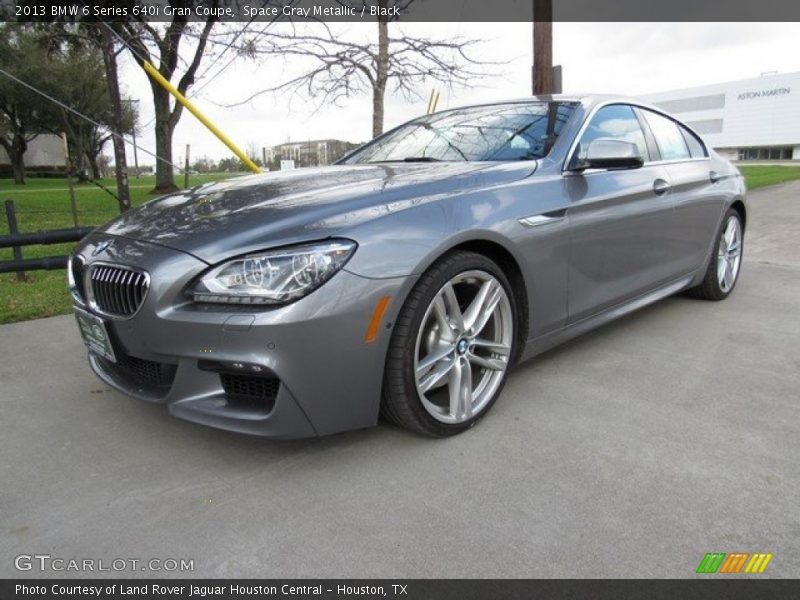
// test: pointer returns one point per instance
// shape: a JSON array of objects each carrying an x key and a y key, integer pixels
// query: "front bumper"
[{"x": 295, "y": 371}]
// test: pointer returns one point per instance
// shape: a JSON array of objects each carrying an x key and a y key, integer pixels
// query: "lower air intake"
[
  {"x": 257, "y": 390},
  {"x": 146, "y": 372}
]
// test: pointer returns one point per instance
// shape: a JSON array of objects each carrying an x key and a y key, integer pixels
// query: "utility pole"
[
  {"x": 110, "y": 59},
  {"x": 68, "y": 163},
  {"x": 186, "y": 169},
  {"x": 542, "y": 74},
  {"x": 133, "y": 134},
  {"x": 135, "y": 156}
]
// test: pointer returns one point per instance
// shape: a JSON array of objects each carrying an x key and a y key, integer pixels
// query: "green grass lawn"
[
  {"x": 762, "y": 176},
  {"x": 44, "y": 204}
]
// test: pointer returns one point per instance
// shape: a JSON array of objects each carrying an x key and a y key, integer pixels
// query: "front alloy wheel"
[
  {"x": 462, "y": 354},
  {"x": 452, "y": 347}
]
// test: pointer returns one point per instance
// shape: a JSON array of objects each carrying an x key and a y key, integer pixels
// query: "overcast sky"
[{"x": 623, "y": 58}]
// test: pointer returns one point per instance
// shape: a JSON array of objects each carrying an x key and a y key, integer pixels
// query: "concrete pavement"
[{"x": 630, "y": 452}]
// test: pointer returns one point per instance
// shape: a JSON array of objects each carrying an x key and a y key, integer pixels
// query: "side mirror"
[{"x": 607, "y": 153}]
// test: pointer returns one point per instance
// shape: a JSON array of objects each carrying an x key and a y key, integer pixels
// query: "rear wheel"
[
  {"x": 723, "y": 269},
  {"x": 452, "y": 346}
]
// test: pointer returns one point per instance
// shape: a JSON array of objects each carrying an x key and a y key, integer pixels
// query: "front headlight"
[{"x": 273, "y": 277}]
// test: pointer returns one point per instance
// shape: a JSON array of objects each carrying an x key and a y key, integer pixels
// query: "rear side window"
[
  {"x": 669, "y": 138},
  {"x": 696, "y": 147},
  {"x": 616, "y": 121}
]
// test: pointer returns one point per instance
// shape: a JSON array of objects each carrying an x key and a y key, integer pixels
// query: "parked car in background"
[{"x": 411, "y": 276}]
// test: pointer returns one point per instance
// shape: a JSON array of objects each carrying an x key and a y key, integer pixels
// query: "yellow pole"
[
  {"x": 161, "y": 80},
  {"x": 435, "y": 102}
]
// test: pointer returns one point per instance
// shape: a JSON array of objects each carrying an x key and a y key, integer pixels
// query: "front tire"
[
  {"x": 723, "y": 269},
  {"x": 451, "y": 348}
]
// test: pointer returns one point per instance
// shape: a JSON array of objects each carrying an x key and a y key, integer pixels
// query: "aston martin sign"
[{"x": 779, "y": 91}]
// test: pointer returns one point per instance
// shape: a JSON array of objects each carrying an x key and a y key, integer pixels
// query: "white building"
[
  {"x": 312, "y": 152},
  {"x": 751, "y": 119},
  {"x": 45, "y": 150}
]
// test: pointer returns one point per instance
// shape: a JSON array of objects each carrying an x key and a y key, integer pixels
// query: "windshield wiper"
[{"x": 407, "y": 159}]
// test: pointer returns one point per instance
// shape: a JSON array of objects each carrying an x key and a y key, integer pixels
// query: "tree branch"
[
  {"x": 345, "y": 67},
  {"x": 188, "y": 76}
]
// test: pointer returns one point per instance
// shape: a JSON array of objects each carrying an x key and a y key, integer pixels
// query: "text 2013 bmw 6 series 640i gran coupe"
[{"x": 408, "y": 278}]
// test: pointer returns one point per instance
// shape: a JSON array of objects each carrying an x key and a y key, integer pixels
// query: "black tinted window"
[
  {"x": 668, "y": 136},
  {"x": 617, "y": 121},
  {"x": 501, "y": 132},
  {"x": 696, "y": 147}
]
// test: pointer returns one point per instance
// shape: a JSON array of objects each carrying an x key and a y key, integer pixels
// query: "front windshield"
[{"x": 503, "y": 132}]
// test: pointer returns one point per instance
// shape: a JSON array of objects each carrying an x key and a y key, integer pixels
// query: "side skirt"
[{"x": 541, "y": 344}]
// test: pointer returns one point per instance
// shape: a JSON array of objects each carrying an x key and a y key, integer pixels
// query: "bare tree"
[
  {"x": 146, "y": 41},
  {"x": 342, "y": 68},
  {"x": 254, "y": 154}
]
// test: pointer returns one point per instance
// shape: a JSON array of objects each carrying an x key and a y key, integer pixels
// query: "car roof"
[{"x": 588, "y": 100}]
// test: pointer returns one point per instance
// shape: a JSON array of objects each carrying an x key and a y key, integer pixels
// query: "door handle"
[
  {"x": 714, "y": 176},
  {"x": 544, "y": 218},
  {"x": 661, "y": 187}
]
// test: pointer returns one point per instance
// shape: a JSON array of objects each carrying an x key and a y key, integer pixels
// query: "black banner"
[
  {"x": 733, "y": 588},
  {"x": 400, "y": 10}
]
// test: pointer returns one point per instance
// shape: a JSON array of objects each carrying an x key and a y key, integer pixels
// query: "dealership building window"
[{"x": 770, "y": 153}]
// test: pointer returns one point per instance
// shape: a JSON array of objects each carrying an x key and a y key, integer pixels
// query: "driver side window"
[{"x": 616, "y": 121}]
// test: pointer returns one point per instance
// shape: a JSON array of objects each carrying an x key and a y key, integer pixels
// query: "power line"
[
  {"x": 197, "y": 91},
  {"x": 200, "y": 89},
  {"x": 231, "y": 43},
  {"x": 134, "y": 52},
  {"x": 219, "y": 56},
  {"x": 82, "y": 116},
  {"x": 228, "y": 46},
  {"x": 124, "y": 42},
  {"x": 143, "y": 60},
  {"x": 228, "y": 64}
]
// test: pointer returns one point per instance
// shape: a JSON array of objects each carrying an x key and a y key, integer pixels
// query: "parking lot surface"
[{"x": 630, "y": 452}]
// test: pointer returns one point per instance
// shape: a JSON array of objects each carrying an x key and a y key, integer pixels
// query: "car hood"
[{"x": 218, "y": 220}]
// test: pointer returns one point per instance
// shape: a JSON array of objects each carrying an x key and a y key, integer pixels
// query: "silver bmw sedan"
[{"x": 408, "y": 278}]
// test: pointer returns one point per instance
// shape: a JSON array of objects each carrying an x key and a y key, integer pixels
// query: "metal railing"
[{"x": 16, "y": 241}]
